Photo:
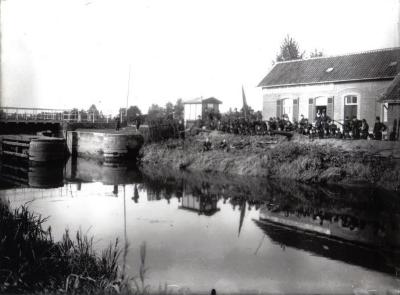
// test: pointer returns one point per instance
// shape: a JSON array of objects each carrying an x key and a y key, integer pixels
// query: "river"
[{"x": 234, "y": 234}]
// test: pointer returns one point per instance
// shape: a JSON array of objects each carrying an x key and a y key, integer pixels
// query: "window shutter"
[
  {"x": 329, "y": 107},
  {"x": 295, "y": 110},
  {"x": 311, "y": 110},
  {"x": 279, "y": 108}
]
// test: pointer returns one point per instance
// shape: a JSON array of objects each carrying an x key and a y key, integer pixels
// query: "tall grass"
[{"x": 31, "y": 261}]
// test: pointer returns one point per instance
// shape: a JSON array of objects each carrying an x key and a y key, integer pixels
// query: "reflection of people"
[
  {"x": 135, "y": 197},
  {"x": 118, "y": 123},
  {"x": 115, "y": 190}
]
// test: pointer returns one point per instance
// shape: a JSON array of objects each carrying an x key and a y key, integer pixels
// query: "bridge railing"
[{"x": 58, "y": 115}]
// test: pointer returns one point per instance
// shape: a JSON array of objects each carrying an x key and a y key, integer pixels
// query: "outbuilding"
[
  {"x": 391, "y": 103},
  {"x": 198, "y": 107}
]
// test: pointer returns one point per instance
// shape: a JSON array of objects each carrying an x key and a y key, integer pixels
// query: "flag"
[
  {"x": 242, "y": 214},
  {"x": 245, "y": 108}
]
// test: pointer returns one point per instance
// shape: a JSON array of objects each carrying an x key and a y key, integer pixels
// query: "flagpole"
[{"x": 127, "y": 94}]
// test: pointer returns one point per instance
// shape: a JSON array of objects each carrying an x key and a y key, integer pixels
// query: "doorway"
[
  {"x": 321, "y": 109},
  {"x": 321, "y": 104}
]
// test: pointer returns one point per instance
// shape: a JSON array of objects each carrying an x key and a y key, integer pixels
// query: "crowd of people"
[
  {"x": 351, "y": 128},
  {"x": 235, "y": 122},
  {"x": 322, "y": 127}
]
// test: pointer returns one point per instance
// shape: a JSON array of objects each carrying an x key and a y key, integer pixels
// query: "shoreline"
[{"x": 319, "y": 161}]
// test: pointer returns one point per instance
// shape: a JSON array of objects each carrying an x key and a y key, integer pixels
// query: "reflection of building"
[
  {"x": 378, "y": 231},
  {"x": 335, "y": 249},
  {"x": 153, "y": 195},
  {"x": 204, "y": 205},
  {"x": 336, "y": 236},
  {"x": 198, "y": 107}
]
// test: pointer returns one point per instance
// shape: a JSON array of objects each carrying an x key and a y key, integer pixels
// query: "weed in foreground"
[{"x": 30, "y": 260}]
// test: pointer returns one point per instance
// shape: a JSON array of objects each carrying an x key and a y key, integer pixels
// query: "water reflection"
[
  {"x": 108, "y": 173},
  {"x": 23, "y": 173},
  {"x": 357, "y": 225},
  {"x": 233, "y": 233}
]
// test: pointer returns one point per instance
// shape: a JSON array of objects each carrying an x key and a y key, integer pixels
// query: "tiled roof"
[
  {"x": 212, "y": 100},
  {"x": 197, "y": 100},
  {"x": 370, "y": 65},
  {"x": 393, "y": 91},
  {"x": 200, "y": 100}
]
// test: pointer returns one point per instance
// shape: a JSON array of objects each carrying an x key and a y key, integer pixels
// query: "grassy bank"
[
  {"x": 32, "y": 262},
  {"x": 275, "y": 157}
]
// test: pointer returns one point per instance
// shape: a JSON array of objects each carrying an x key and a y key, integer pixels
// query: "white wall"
[
  {"x": 192, "y": 111},
  {"x": 367, "y": 92}
]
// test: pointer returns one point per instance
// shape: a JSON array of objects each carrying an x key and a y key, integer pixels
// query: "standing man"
[
  {"x": 138, "y": 122},
  {"x": 364, "y": 129},
  {"x": 379, "y": 127},
  {"x": 346, "y": 127},
  {"x": 355, "y": 124}
]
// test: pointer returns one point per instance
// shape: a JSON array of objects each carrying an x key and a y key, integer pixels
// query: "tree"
[
  {"x": 93, "y": 113},
  {"x": 316, "y": 53},
  {"x": 133, "y": 114},
  {"x": 155, "y": 112},
  {"x": 289, "y": 50},
  {"x": 93, "y": 109},
  {"x": 169, "y": 110},
  {"x": 179, "y": 109}
]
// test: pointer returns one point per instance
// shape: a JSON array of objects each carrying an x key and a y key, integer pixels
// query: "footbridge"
[{"x": 20, "y": 120}]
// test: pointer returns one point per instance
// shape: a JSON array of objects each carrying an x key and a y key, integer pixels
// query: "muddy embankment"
[{"x": 362, "y": 162}]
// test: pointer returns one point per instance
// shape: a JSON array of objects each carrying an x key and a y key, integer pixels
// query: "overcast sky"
[{"x": 72, "y": 53}]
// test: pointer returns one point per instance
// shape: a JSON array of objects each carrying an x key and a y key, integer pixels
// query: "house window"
[
  {"x": 385, "y": 112},
  {"x": 350, "y": 107},
  {"x": 350, "y": 100},
  {"x": 210, "y": 106},
  {"x": 287, "y": 107}
]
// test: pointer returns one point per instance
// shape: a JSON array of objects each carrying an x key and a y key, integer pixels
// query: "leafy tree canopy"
[
  {"x": 169, "y": 110},
  {"x": 289, "y": 50},
  {"x": 155, "y": 112},
  {"x": 133, "y": 113},
  {"x": 179, "y": 109},
  {"x": 93, "y": 109}
]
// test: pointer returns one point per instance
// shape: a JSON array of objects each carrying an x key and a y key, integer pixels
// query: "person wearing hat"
[{"x": 379, "y": 127}]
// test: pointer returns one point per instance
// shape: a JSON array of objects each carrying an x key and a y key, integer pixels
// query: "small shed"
[
  {"x": 197, "y": 107},
  {"x": 391, "y": 101}
]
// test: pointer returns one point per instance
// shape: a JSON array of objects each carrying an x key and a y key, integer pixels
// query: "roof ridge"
[{"x": 339, "y": 55}]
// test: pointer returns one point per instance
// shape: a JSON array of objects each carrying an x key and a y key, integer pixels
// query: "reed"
[{"x": 31, "y": 261}]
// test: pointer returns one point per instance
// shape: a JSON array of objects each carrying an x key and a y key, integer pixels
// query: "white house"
[{"x": 344, "y": 86}]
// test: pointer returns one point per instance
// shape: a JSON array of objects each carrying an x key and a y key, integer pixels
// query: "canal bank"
[{"x": 344, "y": 162}]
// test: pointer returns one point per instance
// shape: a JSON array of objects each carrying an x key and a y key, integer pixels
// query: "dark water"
[{"x": 234, "y": 234}]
